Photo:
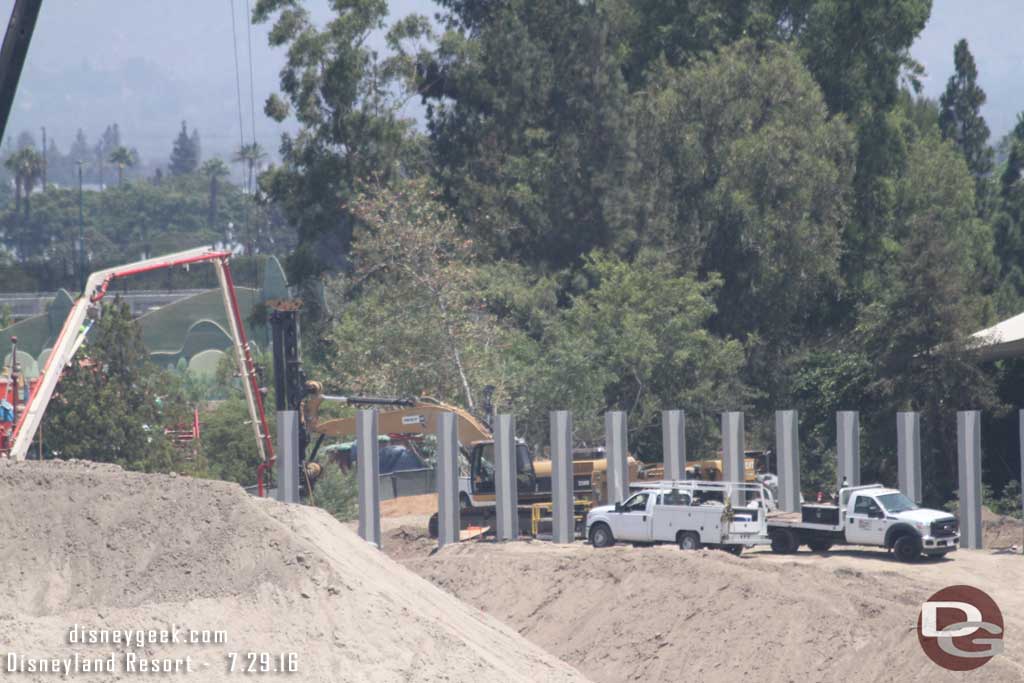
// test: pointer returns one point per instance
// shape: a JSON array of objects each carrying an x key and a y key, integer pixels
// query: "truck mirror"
[{"x": 618, "y": 507}]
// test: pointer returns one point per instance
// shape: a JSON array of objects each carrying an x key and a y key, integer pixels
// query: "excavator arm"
[{"x": 398, "y": 416}]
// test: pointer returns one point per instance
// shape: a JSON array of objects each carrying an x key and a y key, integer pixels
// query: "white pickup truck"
[
  {"x": 690, "y": 513},
  {"x": 867, "y": 515}
]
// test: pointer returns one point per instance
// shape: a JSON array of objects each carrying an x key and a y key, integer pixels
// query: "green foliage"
[
  {"x": 960, "y": 118},
  {"x": 228, "y": 443},
  {"x": 338, "y": 493},
  {"x": 344, "y": 98},
  {"x": 185, "y": 154},
  {"x": 112, "y": 405}
]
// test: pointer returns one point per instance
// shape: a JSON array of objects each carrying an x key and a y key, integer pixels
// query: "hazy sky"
[{"x": 148, "y": 64}]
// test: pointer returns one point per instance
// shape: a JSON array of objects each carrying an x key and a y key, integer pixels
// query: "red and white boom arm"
[{"x": 78, "y": 322}]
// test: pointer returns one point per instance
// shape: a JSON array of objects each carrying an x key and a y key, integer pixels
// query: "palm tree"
[
  {"x": 252, "y": 155},
  {"x": 27, "y": 166},
  {"x": 123, "y": 157},
  {"x": 215, "y": 169}
]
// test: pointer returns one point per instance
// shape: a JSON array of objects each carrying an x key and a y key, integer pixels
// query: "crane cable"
[{"x": 238, "y": 78}]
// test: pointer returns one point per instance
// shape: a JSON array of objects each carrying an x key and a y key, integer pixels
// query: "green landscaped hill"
[{"x": 165, "y": 329}]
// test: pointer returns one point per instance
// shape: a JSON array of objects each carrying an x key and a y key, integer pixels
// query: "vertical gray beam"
[
  {"x": 505, "y": 485},
  {"x": 563, "y": 529},
  {"x": 968, "y": 447},
  {"x": 908, "y": 453},
  {"x": 447, "y": 480},
  {"x": 787, "y": 450},
  {"x": 288, "y": 456},
  {"x": 733, "y": 448},
  {"x": 616, "y": 449},
  {"x": 847, "y": 448},
  {"x": 1021, "y": 416},
  {"x": 673, "y": 443},
  {"x": 368, "y": 472}
]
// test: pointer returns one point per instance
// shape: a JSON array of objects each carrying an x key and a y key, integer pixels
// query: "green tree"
[
  {"x": 346, "y": 103},
  {"x": 960, "y": 116},
  {"x": 123, "y": 157},
  {"x": 27, "y": 167},
  {"x": 214, "y": 169},
  {"x": 112, "y": 403},
  {"x": 185, "y": 154}
]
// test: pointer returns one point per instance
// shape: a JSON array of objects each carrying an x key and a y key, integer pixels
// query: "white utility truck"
[
  {"x": 691, "y": 513},
  {"x": 867, "y": 515}
]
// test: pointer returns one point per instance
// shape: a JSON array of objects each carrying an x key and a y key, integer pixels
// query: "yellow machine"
[{"x": 476, "y": 487}]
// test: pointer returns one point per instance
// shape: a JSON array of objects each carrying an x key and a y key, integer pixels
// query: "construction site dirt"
[
  {"x": 91, "y": 545},
  {"x": 662, "y": 614}
]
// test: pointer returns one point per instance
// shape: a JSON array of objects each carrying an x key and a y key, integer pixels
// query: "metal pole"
[
  {"x": 673, "y": 443},
  {"x": 847, "y": 448},
  {"x": 787, "y": 447},
  {"x": 616, "y": 453},
  {"x": 447, "y": 479},
  {"x": 733, "y": 450},
  {"x": 908, "y": 454},
  {"x": 562, "y": 504},
  {"x": 968, "y": 432},
  {"x": 368, "y": 466},
  {"x": 1021, "y": 417},
  {"x": 506, "y": 487},
  {"x": 288, "y": 456}
]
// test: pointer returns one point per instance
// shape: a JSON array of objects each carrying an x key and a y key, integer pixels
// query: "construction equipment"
[
  {"x": 86, "y": 310},
  {"x": 418, "y": 417}
]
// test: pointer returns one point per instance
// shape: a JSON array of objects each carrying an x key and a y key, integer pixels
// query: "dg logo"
[{"x": 960, "y": 628}]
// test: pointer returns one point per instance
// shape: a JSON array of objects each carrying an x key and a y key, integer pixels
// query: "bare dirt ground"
[
  {"x": 1000, "y": 531},
  {"x": 660, "y": 614},
  {"x": 92, "y": 545}
]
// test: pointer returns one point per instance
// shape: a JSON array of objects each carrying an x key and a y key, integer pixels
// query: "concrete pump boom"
[{"x": 79, "y": 321}]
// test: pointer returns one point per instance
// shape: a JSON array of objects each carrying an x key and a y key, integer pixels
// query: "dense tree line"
[
  {"x": 645, "y": 205},
  {"x": 639, "y": 205}
]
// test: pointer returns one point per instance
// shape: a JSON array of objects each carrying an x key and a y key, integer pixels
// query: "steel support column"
[
  {"x": 968, "y": 442},
  {"x": 616, "y": 450},
  {"x": 733, "y": 448},
  {"x": 368, "y": 472},
  {"x": 847, "y": 448},
  {"x": 447, "y": 479},
  {"x": 908, "y": 454},
  {"x": 787, "y": 450},
  {"x": 562, "y": 518},
  {"x": 288, "y": 456},
  {"x": 673, "y": 443},
  {"x": 506, "y": 488}
]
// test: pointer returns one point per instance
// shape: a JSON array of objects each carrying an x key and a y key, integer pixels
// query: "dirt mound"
[
  {"x": 425, "y": 504},
  {"x": 92, "y": 545},
  {"x": 660, "y": 614},
  {"x": 1001, "y": 531}
]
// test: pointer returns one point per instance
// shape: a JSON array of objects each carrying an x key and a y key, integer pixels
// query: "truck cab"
[{"x": 870, "y": 515}]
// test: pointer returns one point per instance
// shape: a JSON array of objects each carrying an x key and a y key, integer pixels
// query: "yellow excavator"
[{"x": 415, "y": 418}]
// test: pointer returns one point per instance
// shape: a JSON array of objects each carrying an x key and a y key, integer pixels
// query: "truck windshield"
[{"x": 896, "y": 502}]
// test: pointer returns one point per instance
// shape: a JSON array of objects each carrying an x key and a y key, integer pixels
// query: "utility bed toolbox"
[{"x": 820, "y": 514}]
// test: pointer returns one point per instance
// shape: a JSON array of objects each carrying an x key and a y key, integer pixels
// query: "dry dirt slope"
[
  {"x": 93, "y": 545},
  {"x": 660, "y": 614}
]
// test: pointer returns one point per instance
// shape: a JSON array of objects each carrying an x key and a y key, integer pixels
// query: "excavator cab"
[{"x": 481, "y": 469}]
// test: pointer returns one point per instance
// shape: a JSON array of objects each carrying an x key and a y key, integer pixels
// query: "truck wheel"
[
  {"x": 601, "y": 536},
  {"x": 736, "y": 550},
  {"x": 907, "y": 548},
  {"x": 689, "y": 540},
  {"x": 432, "y": 526},
  {"x": 784, "y": 541},
  {"x": 464, "y": 502},
  {"x": 819, "y": 546}
]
